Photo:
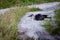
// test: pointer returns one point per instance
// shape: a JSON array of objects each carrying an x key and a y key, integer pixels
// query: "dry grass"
[{"x": 9, "y": 21}]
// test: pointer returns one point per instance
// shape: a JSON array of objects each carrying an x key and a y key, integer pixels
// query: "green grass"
[
  {"x": 9, "y": 21},
  {"x": 10, "y": 3},
  {"x": 35, "y": 9},
  {"x": 50, "y": 27},
  {"x": 57, "y": 17}
]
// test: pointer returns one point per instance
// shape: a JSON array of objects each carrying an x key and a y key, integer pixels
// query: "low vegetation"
[
  {"x": 50, "y": 27},
  {"x": 10, "y": 3},
  {"x": 35, "y": 9},
  {"x": 8, "y": 23}
]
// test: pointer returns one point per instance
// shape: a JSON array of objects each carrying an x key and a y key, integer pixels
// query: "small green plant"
[
  {"x": 57, "y": 17},
  {"x": 48, "y": 26},
  {"x": 35, "y": 9}
]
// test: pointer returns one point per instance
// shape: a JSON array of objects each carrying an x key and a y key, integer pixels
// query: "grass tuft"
[
  {"x": 9, "y": 21},
  {"x": 50, "y": 27},
  {"x": 35, "y": 9}
]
